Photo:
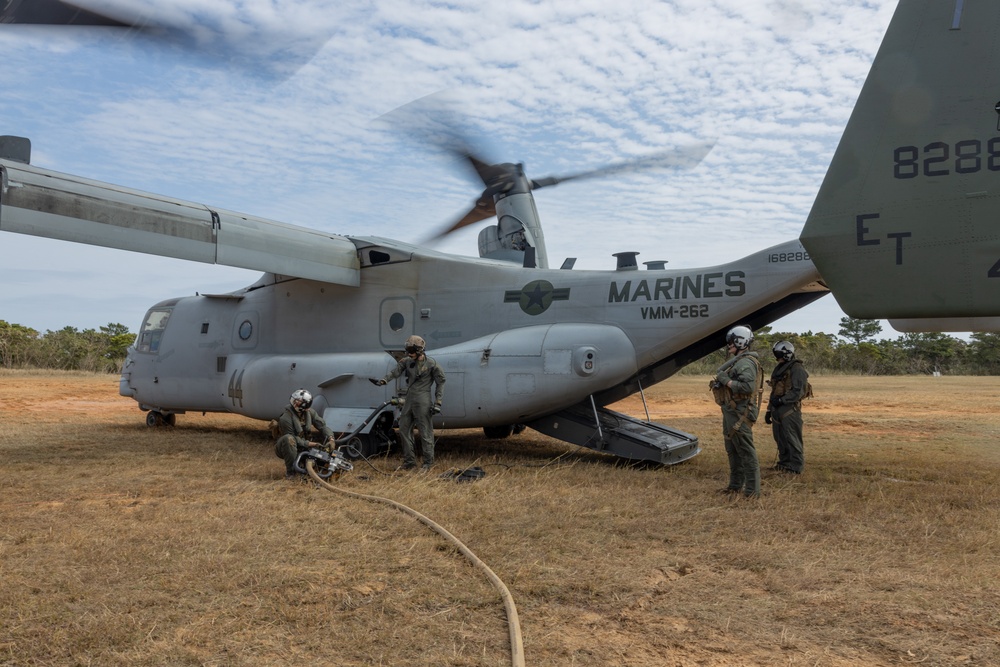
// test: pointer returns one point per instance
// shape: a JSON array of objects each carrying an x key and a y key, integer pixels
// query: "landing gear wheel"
[
  {"x": 355, "y": 447},
  {"x": 365, "y": 444},
  {"x": 156, "y": 419}
]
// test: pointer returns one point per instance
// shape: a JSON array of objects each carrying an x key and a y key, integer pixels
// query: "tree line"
[
  {"x": 69, "y": 349},
  {"x": 854, "y": 350}
]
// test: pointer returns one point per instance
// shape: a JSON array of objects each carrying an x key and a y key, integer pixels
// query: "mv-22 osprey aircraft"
[{"x": 904, "y": 227}]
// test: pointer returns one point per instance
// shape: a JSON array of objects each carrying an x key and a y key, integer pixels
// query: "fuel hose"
[{"x": 513, "y": 624}]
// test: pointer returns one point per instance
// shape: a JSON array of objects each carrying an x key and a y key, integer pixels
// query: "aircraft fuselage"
[{"x": 515, "y": 343}]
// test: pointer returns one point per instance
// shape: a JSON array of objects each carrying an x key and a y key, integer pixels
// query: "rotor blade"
[
  {"x": 497, "y": 177},
  {"x": 482, "y": 209},
  {"x": 430, "y": 121},
  {"x": 230, "y": 38},
  {"x": 688, "y": 157},
  {"x": 489, "y": 173},
  {"x": 56, "y": 12}
]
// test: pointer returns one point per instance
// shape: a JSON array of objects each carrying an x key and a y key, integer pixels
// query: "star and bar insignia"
[{"x": 536, "y": 297}]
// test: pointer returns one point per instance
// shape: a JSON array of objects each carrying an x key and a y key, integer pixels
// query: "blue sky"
[{"x": 559, "y": 86}]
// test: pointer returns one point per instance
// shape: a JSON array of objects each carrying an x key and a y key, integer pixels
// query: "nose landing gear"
[{"x": 157, "y": 418}]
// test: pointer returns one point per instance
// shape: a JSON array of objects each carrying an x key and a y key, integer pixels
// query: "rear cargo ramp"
[{"x": 613, "y": 433}]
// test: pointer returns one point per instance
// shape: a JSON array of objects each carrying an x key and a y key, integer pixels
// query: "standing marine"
[
  {"x": 295, "y": 429},
  {"x": 737, "y": 389},
  {"x": 789, "y": 385},
  {"x": 418, "y": 408}
]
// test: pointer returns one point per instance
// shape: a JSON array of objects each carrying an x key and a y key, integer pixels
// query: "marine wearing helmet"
[
  {"x": 421, "y": 373},
  {"x": 789, "y": 385},
  {"x": 298, "y": 425},
  {"x": 737, "y": 386}
]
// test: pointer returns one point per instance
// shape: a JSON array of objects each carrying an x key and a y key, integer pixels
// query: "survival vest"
[
  {"x": 723, "y": 395},
  {"x": 781, "y": 385}
]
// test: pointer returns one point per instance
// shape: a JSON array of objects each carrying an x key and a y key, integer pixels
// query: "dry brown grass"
[{"x": 121, "y": 544}]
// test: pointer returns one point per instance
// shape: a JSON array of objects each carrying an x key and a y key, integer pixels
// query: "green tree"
[
  {"x": 929, "y": 352},
  {"x": 859, "y": 331},
  {"x": 16, "y": 343},
  {"x": 88, "y": 350},
  {"x": 118, "y": 340},
  {"x": 983, "y": 353},
  {"x": 63, "y": 349}
]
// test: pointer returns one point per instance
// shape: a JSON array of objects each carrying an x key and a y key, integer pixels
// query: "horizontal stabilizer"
[
  {"x": 905, "y": 225},
  {"x": 53, "y": 205}
]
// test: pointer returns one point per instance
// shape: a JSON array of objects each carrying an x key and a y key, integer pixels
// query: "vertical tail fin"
[{"x": 907, "y": 222}]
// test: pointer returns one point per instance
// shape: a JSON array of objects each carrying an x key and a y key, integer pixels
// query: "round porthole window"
[
  {"x": 396, "y": 321},
  {"x": 246, "y": 330}
]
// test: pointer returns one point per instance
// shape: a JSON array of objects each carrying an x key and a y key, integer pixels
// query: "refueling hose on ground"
[{"x": 516, "y": 644}]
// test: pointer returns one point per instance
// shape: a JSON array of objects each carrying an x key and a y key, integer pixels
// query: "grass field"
[{"x": 126, "y": 545}]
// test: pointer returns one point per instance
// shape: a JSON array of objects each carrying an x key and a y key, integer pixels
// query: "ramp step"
[{"x": 619, "y": 435}]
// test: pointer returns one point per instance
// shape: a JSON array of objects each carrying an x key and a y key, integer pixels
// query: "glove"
[
  {"x": 767, "y": 417},
  {"x": 435, "y": 410},
  {"x": 377, "y": 383}
]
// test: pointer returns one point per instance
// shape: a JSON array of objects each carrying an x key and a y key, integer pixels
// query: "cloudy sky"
[{"x": 291, "y": 111}]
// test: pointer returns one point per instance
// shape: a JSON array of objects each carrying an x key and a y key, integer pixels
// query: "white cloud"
[{"x": 560, "y": 86}]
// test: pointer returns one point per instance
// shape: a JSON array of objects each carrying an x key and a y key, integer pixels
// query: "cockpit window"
[{"x": 152, "y": 330}]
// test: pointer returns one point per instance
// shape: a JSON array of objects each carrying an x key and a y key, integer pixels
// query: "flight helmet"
[
  {"x": 414, "y": 344},
  {"x": 301, "y": 399},
  {"x": 739, "y": 337},
  {"x": 783, "y": 350}
]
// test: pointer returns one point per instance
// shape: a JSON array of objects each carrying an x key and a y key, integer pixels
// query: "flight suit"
[
  {"x": 738, "y": 416},
  {"x": 295, "y": 430},
  {"x": 421, "y": 374},
  {"x": 788, "y": 388}
]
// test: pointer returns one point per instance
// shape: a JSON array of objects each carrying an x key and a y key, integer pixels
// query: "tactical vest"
[
  {"x": 781, "y": 386},
  {"x": 724, "y": 395}
]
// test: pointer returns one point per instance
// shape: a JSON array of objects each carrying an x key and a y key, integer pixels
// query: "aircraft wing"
[{"x": 46, "y": 203}]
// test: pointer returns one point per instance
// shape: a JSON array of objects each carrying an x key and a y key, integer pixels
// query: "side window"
[{"x": 152, "y": 330}]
